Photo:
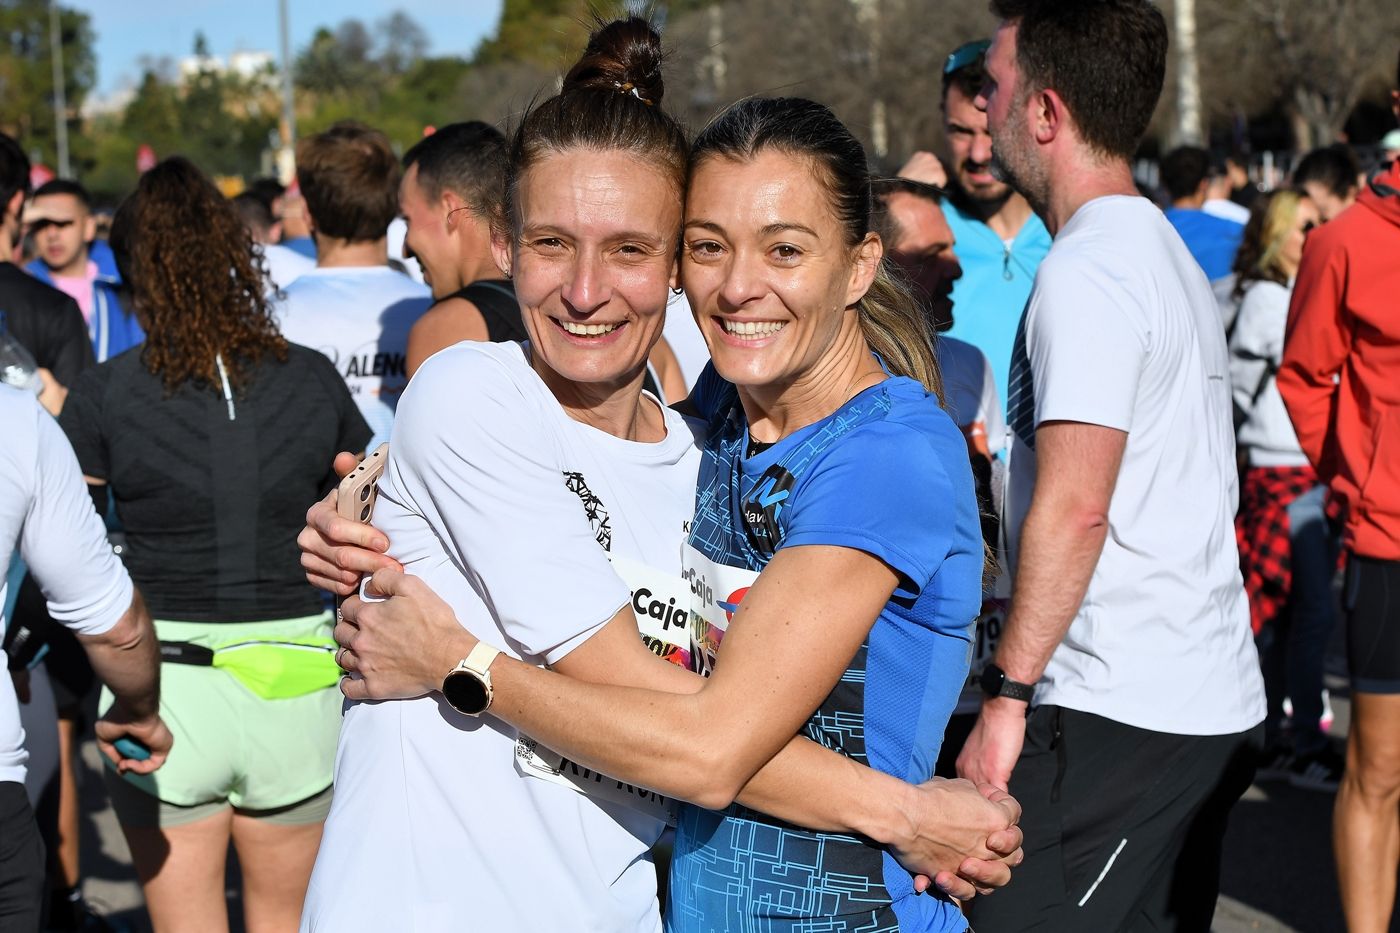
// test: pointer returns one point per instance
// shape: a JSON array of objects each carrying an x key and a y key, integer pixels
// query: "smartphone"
[{"x": 360, "y": 487}]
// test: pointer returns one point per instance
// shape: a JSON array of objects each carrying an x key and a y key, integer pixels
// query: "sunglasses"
[
  {"x": 38, "y": 225},
  {"x": 965, "y": 55}
]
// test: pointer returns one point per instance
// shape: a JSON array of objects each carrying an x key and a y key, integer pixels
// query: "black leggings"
[{"x": 1373, "y": 624}]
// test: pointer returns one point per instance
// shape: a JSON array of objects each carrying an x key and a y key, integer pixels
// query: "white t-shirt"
[
  {"x": 1122, "y": 331},
  {"x": 970, "y": 394},
  {"x": 284, "y": 265},
  {"x": 46, "y": 512},
  {"x": 359, "y": 317},
  {"x": 509, "y": 510}
]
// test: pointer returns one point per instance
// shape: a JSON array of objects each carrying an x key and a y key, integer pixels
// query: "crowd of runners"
[{"x": 1025, "y": 492}]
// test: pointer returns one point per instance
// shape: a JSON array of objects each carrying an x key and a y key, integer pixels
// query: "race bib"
[
  {"x": 660, "y": 603},
  {"x": 535, "y": 760},
  {"x": 716, "y": 590}
]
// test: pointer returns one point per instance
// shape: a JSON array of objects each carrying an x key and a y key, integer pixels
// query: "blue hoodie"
[{"x": 112, "y": 328}]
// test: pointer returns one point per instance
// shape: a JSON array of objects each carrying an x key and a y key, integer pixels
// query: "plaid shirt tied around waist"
[{"x": 1262, "y": 531}]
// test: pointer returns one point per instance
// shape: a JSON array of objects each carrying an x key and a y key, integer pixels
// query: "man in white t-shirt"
[
  {"x": 1128, "y": 632},
  {"x": 353, "y": 307},
  {"x": 47, "y": 515}
]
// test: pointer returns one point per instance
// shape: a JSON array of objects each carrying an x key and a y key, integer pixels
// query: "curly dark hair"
[{"x": 196, "y": 283}]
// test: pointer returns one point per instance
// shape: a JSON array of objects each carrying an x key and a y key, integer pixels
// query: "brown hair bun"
[{"x": 623, "y": 56}]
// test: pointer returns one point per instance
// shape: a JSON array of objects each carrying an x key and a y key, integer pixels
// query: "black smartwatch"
[
  {"x": 995, "y": 683},
  {"x": 467, "y": 687}
]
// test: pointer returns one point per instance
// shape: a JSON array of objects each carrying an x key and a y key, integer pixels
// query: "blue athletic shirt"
[{"x": 888, "y": 474}]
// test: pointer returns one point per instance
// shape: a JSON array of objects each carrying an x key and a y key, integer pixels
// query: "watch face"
[
  {"x": 465, "y": 692},
  {"x": 992, "y": 679}
]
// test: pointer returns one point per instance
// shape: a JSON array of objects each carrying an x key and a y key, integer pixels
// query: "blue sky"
[{"x": 126, "y": 30}]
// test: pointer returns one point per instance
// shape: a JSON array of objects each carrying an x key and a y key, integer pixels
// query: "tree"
[
  {"x": 862, "y": 59},
  {"x": 336, "y": 62},
  {"x": 26, "y": 72},
  {"x": 402, "y": 42},
  {"x": 1316, "y": 58}
]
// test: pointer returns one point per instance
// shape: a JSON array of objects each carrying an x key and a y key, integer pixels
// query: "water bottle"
[{"x": 17, "y": 366}]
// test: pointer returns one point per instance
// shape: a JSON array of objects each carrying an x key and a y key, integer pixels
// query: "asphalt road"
[{"x": 1278, "y": 875}]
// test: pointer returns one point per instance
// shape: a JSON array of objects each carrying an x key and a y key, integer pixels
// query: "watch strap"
[
  {"x": 1015, "y": 690},
  {"x": 479, "y": 659}
]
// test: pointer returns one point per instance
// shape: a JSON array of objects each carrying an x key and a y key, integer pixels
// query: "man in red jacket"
[{"x": 1340, "y": 379}]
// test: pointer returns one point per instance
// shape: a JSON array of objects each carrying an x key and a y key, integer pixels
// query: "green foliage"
[{"x": 26, "y": 73}]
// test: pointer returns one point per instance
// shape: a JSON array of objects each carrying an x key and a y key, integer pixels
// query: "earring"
[{"x": 677, "y": 290}]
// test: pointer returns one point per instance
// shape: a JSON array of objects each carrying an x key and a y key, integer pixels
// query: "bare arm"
[
  {"x": 1063, "y": 535},
  {"x": 706, "y": 745},
  {"x": 127, "y": 659},
  {"x": 932, "y": 827},
  {"x": 450, "y": 321}
]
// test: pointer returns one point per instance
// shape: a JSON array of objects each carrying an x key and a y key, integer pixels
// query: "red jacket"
[{"x": 1340, "y": 376}]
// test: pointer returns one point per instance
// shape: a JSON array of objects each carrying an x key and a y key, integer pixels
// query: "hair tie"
[{"x": 630, "y": 88}]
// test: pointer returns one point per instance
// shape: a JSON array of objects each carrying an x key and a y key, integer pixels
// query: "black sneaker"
[
  {"x": 1319, "y": 771},
  {"x": 1275, "y": 763}
]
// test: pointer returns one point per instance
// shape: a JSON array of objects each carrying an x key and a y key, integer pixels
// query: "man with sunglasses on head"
[
  {"x": 59, "y": 220},
  {"x": 1000, "y": 239}
]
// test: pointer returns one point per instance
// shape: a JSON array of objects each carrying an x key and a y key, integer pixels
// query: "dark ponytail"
[{"x": 610, "y": 100}]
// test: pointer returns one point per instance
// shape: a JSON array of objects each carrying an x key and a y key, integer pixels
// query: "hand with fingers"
[
  {"x": 335, "y": 551},
  {"x": 924, "y": 167},
  {"x": 399, "y": 642},
  {"x": 995, "y": 742},
  {"x": 150, "y": 731},
  {"x": 961, "y": 837}
]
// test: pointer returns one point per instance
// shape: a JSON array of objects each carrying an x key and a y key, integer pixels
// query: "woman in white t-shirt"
[
  {"x": 1287, "y": 551},
  {"x": 555, "y": 442}
]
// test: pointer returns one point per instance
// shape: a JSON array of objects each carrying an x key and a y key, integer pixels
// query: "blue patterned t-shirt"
[{"x": 887, "y": 474}]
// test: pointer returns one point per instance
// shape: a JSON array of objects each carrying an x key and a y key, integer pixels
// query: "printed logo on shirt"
[
  {"x": 356, "y": 368},
  {"x": 763, "y": 509},
  {"x": 377, "y": 364},
  {"x": 592, "y": 507}
]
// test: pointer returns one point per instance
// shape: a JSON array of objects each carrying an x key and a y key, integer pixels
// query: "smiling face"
[
  {"x": 593, "y": 260},
  {"x": 426, "y": 237},
  {"x": 768, "y": 269}
]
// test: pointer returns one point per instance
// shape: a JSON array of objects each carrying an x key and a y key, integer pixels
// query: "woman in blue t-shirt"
[{"x": 836, "y": 534}]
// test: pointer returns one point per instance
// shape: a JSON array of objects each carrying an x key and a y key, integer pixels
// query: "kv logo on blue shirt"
[{"x": 764, "y": 506}]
